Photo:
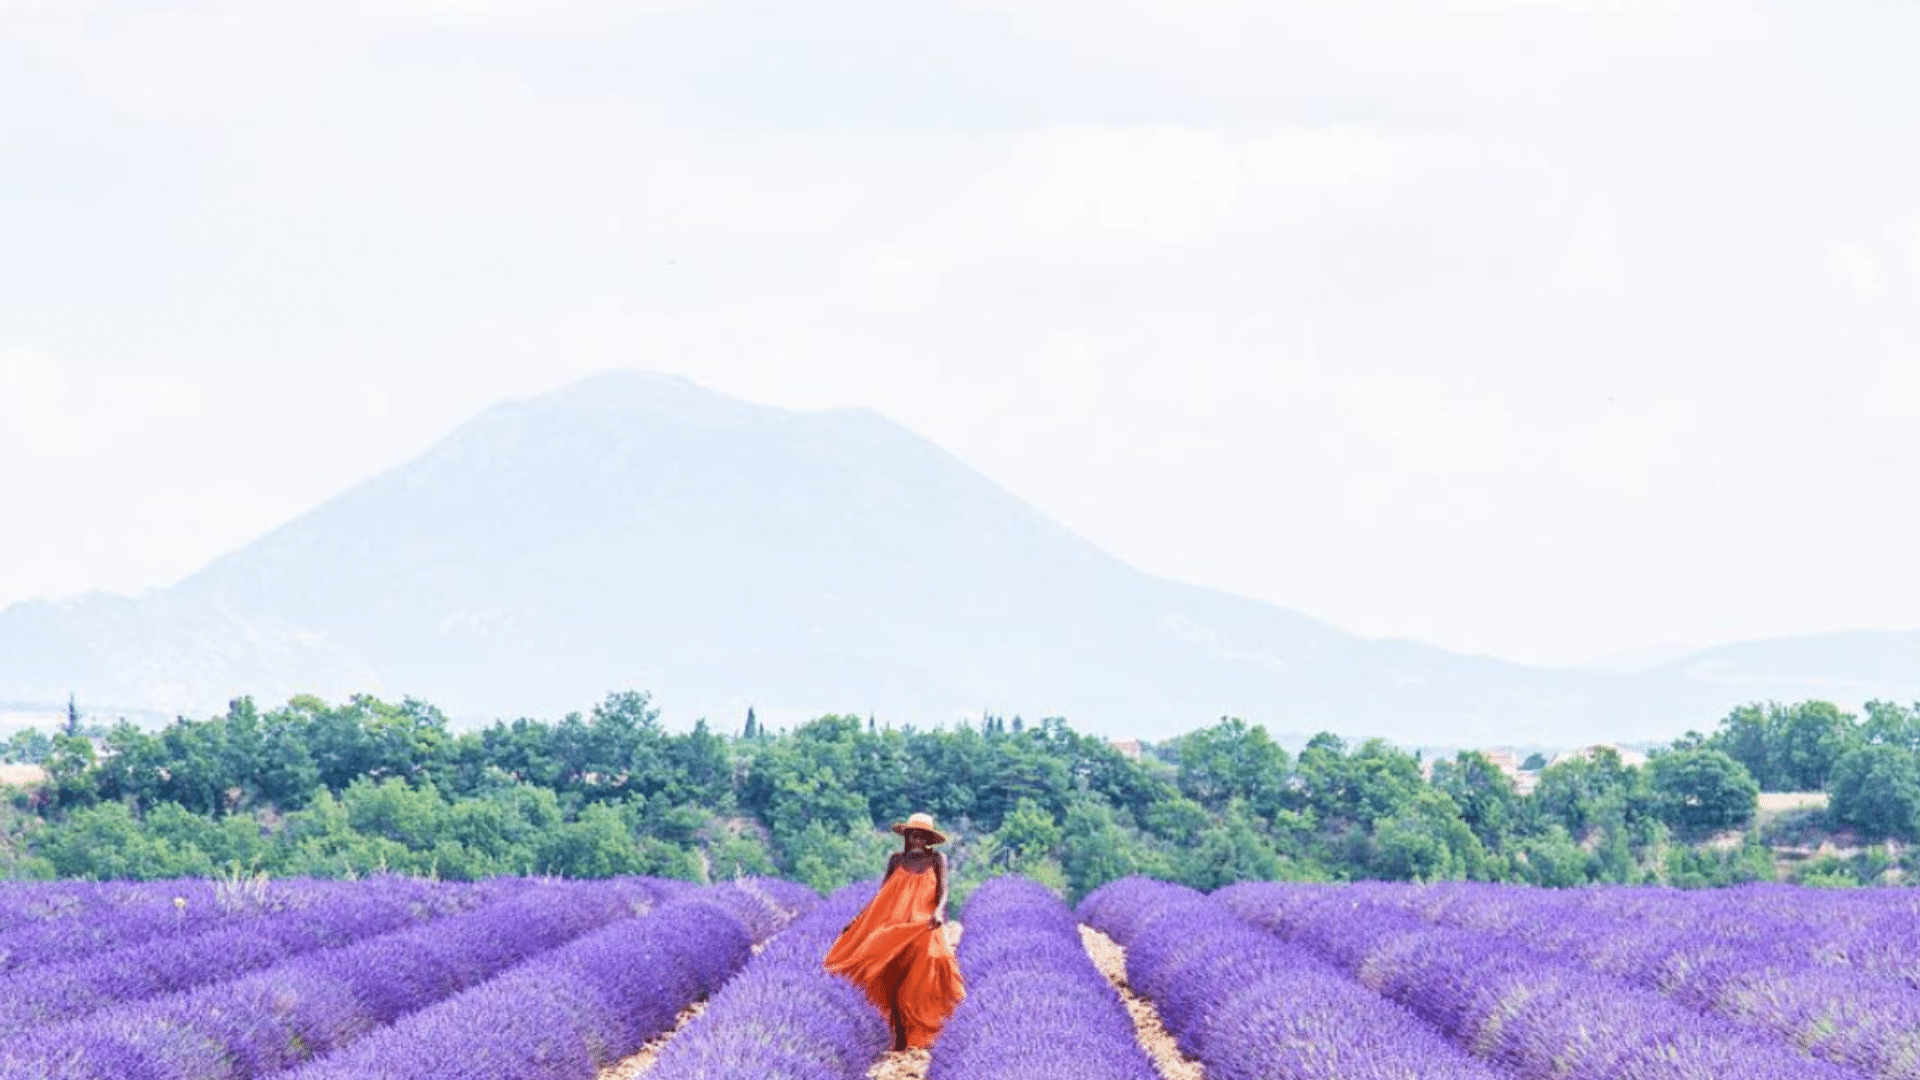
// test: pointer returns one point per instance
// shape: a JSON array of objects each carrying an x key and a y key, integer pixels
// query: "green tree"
[
  {"x": 106, "y": 842},
  {"x": 1233, "y": 761},
  {"x": 234, "y": 842},
  {"x": 621, "y": 749},
  {"x": 337, "y": 739},
  {"x": 601, "y": 843},
  {"x": 1178, "y": 820},
  {"x": 70, "y": 770},
  {"x": 1807, "y": 739},
  {"x": 1028, "y": 835},
  {"x": 699, "y": 770},
  {"x": 1707, "y": 868},
  {"x": 1890, "y": 724},
  {"x": 522, "y": 750},
  {"x": 1702, "y": 789},
  {"x": 410, "y": 817},
  {"x": 320, "y": 840},
  {"x": 1484, "y": 795},
  {"x": 1094, "y": 849},
  {"x": 1785, "y": 747},
  {"x": 1746, "y": 735},
  {"x": 1429, "y": 841},
  {"x": 1229, "y": 850},
  {"x": 1876, "y": 789},
  {"x": 1553, "y": 859},
  {"x": 1578, "y": 792},
  {"x": 826, "y": 858},
  {"x": 283, "y": 772},
  {"x": 27, "y": 746},
  {"x": 1376, "y": 781},
  {"x": 736, "y": 847}
]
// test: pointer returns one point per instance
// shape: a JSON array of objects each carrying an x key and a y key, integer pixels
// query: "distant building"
[
  {"x": 1509, "y": 766},
  {"x": 1129, "y": 747},
  {"x": 1627, "y": 757}
]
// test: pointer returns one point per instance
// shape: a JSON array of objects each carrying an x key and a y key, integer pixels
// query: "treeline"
[
  {"x": 1869, "y": 765},
  {"x": 340, "y": 789}
]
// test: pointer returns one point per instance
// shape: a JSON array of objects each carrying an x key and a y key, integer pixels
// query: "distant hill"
[
  {"x": 1842, "y": 667},
  {"x": 636, "y": 530}
]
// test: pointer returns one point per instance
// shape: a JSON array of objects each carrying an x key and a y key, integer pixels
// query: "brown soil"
[
  {"x": 901, "y": 1065},
  {"x": 643, "y": 1058},
  {"x": 1791, "y": 800},
  {"x": 22, "y": 775},
  {"x": 1154, "y": 1037}
]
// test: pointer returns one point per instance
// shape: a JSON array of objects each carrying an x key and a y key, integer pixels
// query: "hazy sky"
[{"x": 1544, "y": 329}]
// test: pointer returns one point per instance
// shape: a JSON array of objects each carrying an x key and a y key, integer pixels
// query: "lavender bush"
[
  {"x": 1035, "y": 1005},
  {"x": 398, "y": 979},
  {"x": 303, "y": 917},
  {"x": 58, "y": 922},
  {"x": 572, "y": 1011},
  {"x": 1249, "y": 1006},
  {"x": 26, "y": 904},
  {"x": 274, "y": 1019},
  {"x": 784, "y": 1017},
  {"x": 1780, "y": 961},
  {"x": 1531, "y": 1012}
]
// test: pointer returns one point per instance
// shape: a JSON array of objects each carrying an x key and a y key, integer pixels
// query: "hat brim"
[{"x": 901, "y": 827}]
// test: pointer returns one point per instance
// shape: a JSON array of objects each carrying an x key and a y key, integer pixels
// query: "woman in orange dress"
[{"x": 896, "y": 948}]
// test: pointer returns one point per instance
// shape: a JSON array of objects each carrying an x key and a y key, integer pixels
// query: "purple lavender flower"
[
  {"x": 1035, "y": 1004},
  {"x": 784, "y": 1017}
]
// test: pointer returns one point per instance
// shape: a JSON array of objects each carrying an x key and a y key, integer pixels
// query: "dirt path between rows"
[
  {"x": 643, "y": 1058},
  {"x": 1154, "y": 1037},
  {"x": 1107, "y": 956}
]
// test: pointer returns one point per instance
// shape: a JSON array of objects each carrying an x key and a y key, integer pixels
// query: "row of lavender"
[
  {"x": 1537, "y": 1014},
  {"x": 582, "y": 1007},
  {"x": 1830, "y": 977},
  {"x": 61, "y": 922},
  {"x": 26, "y": 904},
  {"x": 784, "y": 1017},
  {"x": 343, "y": 1005},
  {"x": 1246, "y": 1005},
  {"x": 285, "y": 921},
  {"x": 1035, "y": 1004}
]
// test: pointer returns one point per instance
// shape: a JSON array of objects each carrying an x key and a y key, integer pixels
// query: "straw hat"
[{"x": 923, "y": 822}]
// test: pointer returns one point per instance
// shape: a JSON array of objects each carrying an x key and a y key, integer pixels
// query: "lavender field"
[{"x": 395, "y": 978}]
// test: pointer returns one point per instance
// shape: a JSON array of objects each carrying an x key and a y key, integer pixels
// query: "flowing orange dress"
[{"x": 892, "y": 953}]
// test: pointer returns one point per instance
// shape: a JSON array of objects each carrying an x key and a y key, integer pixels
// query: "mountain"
[
  {"x": 636, "y": 530},
  {"x": 1842, "y": 667}
]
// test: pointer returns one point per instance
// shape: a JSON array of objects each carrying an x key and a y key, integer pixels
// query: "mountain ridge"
[{"x": 639, "y": 530}]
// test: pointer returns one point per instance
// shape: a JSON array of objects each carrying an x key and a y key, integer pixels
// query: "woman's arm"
[{"x": 940, "y": 904}]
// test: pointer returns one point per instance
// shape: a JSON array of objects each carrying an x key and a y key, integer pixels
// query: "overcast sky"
[{"x": 1542, "y": 329}]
